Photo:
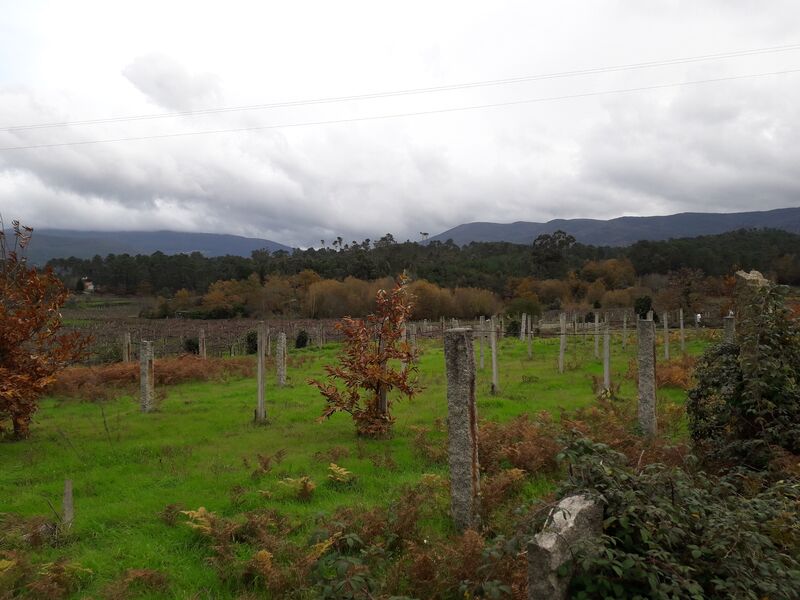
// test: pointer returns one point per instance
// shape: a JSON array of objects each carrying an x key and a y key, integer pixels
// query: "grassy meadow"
[{"x": 200, "y": 449}]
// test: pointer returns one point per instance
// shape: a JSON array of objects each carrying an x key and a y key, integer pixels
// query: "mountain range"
[
  {"x": 624, "y": 231},
  {"x": 63, "y": 243}
]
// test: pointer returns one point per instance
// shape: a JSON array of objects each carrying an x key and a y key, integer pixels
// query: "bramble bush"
[
  {"x": 679, "y": 532},
  {"x": 746, "y": 404}
]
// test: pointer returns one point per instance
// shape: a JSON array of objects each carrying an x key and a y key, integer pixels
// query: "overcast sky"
[{"x": 724, "y": 146}]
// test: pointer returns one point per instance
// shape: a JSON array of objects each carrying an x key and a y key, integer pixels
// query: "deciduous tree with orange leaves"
[
  {"x": 32, "y": 349},
  {"x": 364, "y": 364}
]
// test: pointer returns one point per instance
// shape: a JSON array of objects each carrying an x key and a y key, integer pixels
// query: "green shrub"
[
  {"x": 747, "y": 399},
  {"x": 302, "y": 339},
  {"x": 513, "y": 327},
  {"x": 643, "y": 305},
  {"x": 682, "y": 533},
  {"x": 251, "y": 342},
  {"x": 191, "y": 345}
]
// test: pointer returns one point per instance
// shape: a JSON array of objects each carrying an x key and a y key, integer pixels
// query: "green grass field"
[{"x": 200, "y": 449}]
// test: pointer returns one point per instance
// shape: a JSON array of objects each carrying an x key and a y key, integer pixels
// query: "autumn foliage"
[
  {"x": 32, "y": 350},
  {"x": 364, "y": 364}
]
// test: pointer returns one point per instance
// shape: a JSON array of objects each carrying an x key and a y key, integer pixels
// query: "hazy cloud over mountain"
[{"x": 724, "y": 146}]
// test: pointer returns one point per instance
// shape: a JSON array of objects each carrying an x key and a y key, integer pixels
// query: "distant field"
[{"x": 200, "y": 449}]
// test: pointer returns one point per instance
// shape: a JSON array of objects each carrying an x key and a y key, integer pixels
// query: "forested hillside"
[{"x": 480, "y": 265}]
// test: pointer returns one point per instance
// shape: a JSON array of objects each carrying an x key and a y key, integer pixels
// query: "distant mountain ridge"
[
  {"x": 63, "y": 243},
  {"x": 624, "y": 231}
]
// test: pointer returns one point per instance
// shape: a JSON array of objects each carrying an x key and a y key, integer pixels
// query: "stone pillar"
[
  {"x": 261, "y": 408},
  {"x": 146, "y": 376},
  {"x": 575, "y": 520},
  {"x": 529, "y": 335},
  {"x": 481, "y": 337},
  {"x": 730, "y": 329},
  {"x": 462, "y": 428},
  {"x": 647, "y": 375},
  {"x": 606, "y": 357},
  {"x": 126, "y": 347},
  {"x": 666, "y": 336},
  {"x": 522, "y": 327},
  {"x": 68, "y": 505},
  {"x": 625, "y": 330},
  {"x": 201, "y": 343},
  {"x": 596, "y": 334},
  {"x": 683, "y": 335},
  {"x": 493, "y": 348},
  {"x": 562, "y": 341},
  {"x": 280, "y": 359}
]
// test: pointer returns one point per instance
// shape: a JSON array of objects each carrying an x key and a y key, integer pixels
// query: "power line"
[
  {"x": 411, "y": 91},
  {"x": 407, "y": 114}
]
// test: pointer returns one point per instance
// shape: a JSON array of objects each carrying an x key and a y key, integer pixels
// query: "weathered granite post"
[
  {"x": 126, "y": 347},
  {"x": 647, "y": 375},
  {"x": 462, "y": 428},
  {"x": 666, "y": 336},
  {"x": 730, "y": 329},
  {"x": 146, "y": 376},
  {"x": 575, "y": 521},
  {"x": 606, "y": 357},
  {"x": 529, "y": 335},
  {"x": 280, "y": 358},
  {"x": 596, "y": 334},
  {"x": 201, "y": 343},
  {"x": 68, "y": 505},
  {"x": 562, "y": 318},
  {"x": 522, "y": 327},
  {"x": 261, "y": 409},
  {"x": 493, "y": 348},
  {"x": 481, "y": 337},
  {"x": 683, "y": 335},
  {"x": 624, "y": 330}
]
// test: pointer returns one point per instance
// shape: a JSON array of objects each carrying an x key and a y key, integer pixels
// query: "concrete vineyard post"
[
  {"x": 647, "y": 375},
  {"x": 462, "y": 427}
]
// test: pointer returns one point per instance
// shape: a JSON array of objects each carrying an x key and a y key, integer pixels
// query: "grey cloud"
[
  {"x": 706, "y": 150},
  {"x": 728, "y": 147},
  {"x": 171, "y": 85}
]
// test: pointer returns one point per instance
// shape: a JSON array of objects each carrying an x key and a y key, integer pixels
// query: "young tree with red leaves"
[
  {"x": 31, "y": 349},
  {"x": 364, "y": 365}
]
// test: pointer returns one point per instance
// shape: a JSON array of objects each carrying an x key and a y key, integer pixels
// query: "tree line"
[{"x": 485, "y": 265}]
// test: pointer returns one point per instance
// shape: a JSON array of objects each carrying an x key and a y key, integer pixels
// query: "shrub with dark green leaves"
[
  {"x": 512, "y": 327},
  {"x": 643, "y": 305},
  {"x": 191, "y": 345},
  {"x": 251, "y": 342},
  {"x": 301, "y": 341},
  {"x": 682, "y": 533},
  {"x": 747, "y": 399}
]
